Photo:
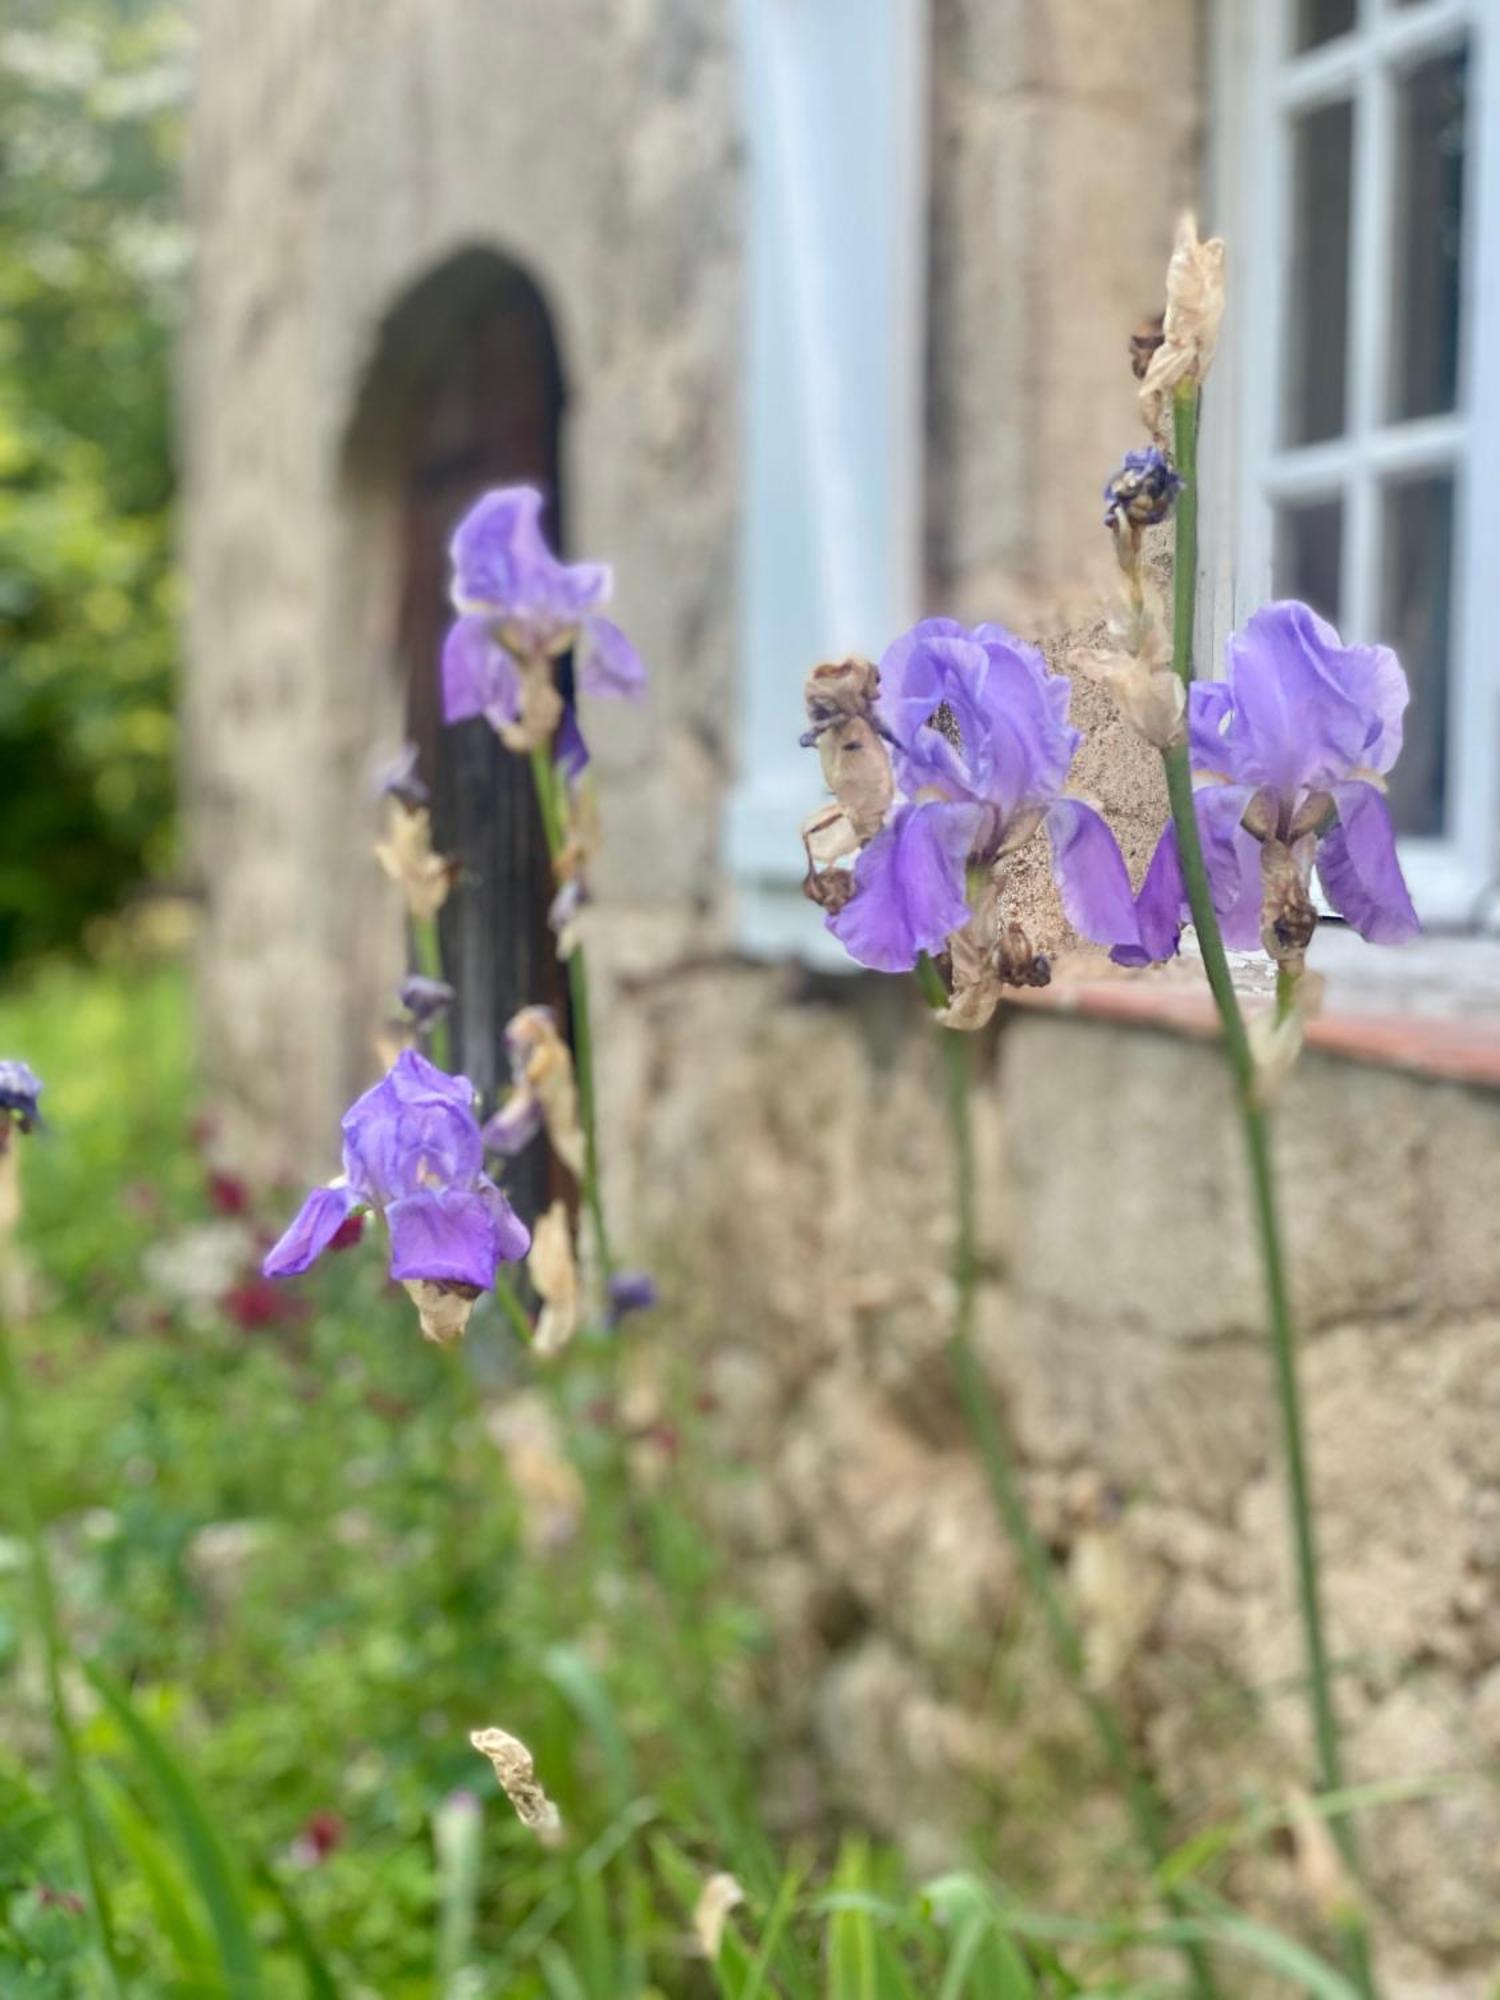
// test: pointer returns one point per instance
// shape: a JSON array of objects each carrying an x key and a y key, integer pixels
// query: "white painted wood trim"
[{"x": 836, "y": 123}]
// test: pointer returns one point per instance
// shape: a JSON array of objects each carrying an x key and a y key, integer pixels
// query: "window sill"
[{"x": 1432, "y": 1008}]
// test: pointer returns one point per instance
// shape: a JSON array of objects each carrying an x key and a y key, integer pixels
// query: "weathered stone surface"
[{"x": 1125, "y": 1341}]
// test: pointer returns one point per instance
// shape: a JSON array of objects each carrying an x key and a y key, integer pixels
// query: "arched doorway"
[{"x": 465, "y": 391}]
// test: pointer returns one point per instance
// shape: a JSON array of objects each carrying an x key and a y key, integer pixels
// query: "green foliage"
[
  {"x": 300, "y": 1572},
  {"x": 91, "y": 260}
]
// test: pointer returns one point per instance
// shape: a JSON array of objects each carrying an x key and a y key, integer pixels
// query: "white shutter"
[{"x": 831, "y": 548}]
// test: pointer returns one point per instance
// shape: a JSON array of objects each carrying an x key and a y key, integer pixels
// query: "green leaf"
[
  {"x": 578, "y": 1684},
  {"x": 1312, "y": 1974},
  {"x": 201, "y": 1851},
  {"x": 863, "y": 1963},
  {"x": 162, "y": 1878},
  {"x": 983, "y": 1962},
  {"x": 321, "y": 1984}
]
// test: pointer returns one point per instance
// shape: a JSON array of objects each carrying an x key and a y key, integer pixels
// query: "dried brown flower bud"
[
  {"x": 406, "y": 855},
  {"x": 985, "y": 956},
  {"x": 720, "y": 1894},
  {"x": 1287, "y": 917},
  {"x": 828, "y": 837},
  {"x": 1144, "y": 342},
  {"x": 555, "y": 1276},
  {"x": 1190, "y": 324},
  {"x": 516, "y": 1772},
  {"x": 542, "y": 1064},
  {"x": 442, "y": 1306},
  {"x": 1016, "y": 962},
  {"x": 840, "y": 697},
  {"x": 857, "y": 770},
  {"x": 839, "y": 690},
  {"x": 1148, "y": 694},
  {"x": 541, "y": 704}
]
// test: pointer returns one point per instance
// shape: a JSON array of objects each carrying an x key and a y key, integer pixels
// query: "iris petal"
[
  {"x": 908, "y": 887},
  {"x": 1359, "y": 870},
  {"x": 314, "y": 1227}
]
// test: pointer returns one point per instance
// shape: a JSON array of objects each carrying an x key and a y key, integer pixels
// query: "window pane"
[
  {"x": 1318, "y": 304},
  {"x": 1320, "y": 20},
  {"x": 1309, "y": 554},
  {"x": 1427, "y": 285},
  {"x": 1418, "y": 548}
]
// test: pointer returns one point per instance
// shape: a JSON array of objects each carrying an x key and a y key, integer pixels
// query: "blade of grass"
[
  {"x": 563, "y": 1982},
  {"x": 161, "y": 1876},
  {"x": 777, "y": 1919},
  {"x": 578, "y": 1684},
  {"x": 527, "y": 1939},
  {"x": 202, "y": 1852},
  {"x": 456, "y": 1831},
  {"x": 321, "y": 1984},
  {"x": 983, "y": 1962}
]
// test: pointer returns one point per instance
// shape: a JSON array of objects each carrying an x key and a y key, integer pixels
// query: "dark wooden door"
[{"x": 478, "y": 392}]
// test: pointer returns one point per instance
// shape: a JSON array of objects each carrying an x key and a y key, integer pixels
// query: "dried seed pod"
[{"x": 516, "y": 1772}]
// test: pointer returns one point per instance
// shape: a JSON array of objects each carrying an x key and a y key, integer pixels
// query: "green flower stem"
[
  {"x": 1256, "y": 1130},
  {"x": 1286, "y": 993},
  {"x": 999, "y": 1461},
  {"x": 511, "y": 1306},
  {"x": 554, "y": 826},
  {"x": 429, "y": 952},
  {"x": 44, "y": 1609}
]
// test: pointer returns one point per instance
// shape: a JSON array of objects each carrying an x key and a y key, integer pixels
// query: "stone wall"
[
  {"x": 1121, "y": 1327},
  {"x": 343, "y": 149}
]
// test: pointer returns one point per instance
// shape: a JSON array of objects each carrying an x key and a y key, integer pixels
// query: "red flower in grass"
[
  {"x": 227, "y": 1193},
  {"x": 320, "y": 1835},
  {"x": 255, "y": 1304}
]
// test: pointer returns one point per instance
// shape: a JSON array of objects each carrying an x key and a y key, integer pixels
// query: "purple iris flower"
[
  {"x": 980, "y": 746},
  {"x": 399, "y": 780},
  {"x": 517, "y": 601},
  {"x": 412, "y": 1149},
  {"x": 630, "y": 1292},
  {"x": 570, "y": 753},
  {"x": 1143, "y": 490},
  {"x": 1299, "y": 734},
  {"x": 426, "y": 1000},
  {"x": 20, "y": 1087}
]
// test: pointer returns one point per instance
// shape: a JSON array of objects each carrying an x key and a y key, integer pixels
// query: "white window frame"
[
  {"x": 1257, "y": 90},
  {"x": 831, "y": 542}
]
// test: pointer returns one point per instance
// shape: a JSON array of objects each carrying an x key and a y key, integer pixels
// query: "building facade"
[{"x": 812, "y": 315}]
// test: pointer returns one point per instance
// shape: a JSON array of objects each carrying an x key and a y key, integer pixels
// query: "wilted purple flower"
[
  {"x": 412, "y": 1150},
  {"x": 630, "y": 1292},
  {"x": 1289, "y": 749},
  {"x": 543, "y": 1091},
  {"x": 20, "y": 1087},
  {"x": 426, "y": 1000},
  {"x": 519, "y": 607},
  {"x": 570, "y": 753},
  {"x": 1143, "y": 490},
  {"x": 981, "y": 746},
  {"x": 399, "y": 780}
]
